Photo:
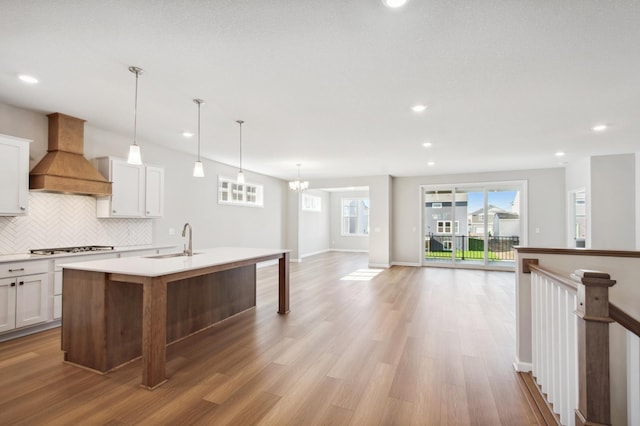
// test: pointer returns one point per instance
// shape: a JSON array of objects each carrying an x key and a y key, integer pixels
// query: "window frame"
[
  {"x": 311, "y": 203},
  {"x": 357, "y": 216},
  {"x": 239, "y": 194},
  {"x": 445, "y": 228}
]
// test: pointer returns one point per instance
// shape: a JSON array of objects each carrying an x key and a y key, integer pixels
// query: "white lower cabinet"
[
  {"x": 57, "y": 276},
  {"x": 24, "y": 294}
]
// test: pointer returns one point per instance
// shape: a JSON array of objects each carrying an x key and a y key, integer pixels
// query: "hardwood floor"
[{"x": 425, "y": 346}]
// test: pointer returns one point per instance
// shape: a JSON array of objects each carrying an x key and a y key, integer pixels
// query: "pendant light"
[
  {"x": 198, "y": 169},
  {"x": 298, "y": 185},
  {"x": 240, "y": 178},
  {"x": 134, "y": 150}
]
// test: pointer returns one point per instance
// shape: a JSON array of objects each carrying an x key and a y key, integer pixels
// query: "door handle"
[
  {"x": 16, "y": 270},
  {"x": 21, "y": 282}
]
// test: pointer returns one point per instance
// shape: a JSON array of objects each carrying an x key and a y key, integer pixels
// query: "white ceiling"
[{"x": 330, "y": 83}]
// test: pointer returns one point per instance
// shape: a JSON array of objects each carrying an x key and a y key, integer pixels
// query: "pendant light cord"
[
  {"x": 137, "y": 71},
  {"x": 240, "y": 122},
  {"x": 199, "y": 130},
  {"x": 135, "y": 113}
]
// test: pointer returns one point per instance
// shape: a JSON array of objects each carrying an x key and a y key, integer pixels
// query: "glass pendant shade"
[
  {"x": 198, "y": 170},
  {"x": 240, "y": 178},
  {"x": 134, "y": 155}
]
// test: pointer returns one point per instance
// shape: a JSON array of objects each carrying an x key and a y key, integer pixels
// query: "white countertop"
[
  {"x": 148, "y": 267},
  {"x": 122, "y": 249}
]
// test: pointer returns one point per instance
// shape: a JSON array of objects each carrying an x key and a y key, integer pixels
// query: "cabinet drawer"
[{"x": 23, "y": 268}]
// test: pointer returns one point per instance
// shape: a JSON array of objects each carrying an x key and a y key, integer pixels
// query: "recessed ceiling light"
[
  {"x": 28, "y": 79},
  {"x": 418, "y": 108},
  {"x": 560, "y": 154},
  {"x": 431, "y": 163},
  {"x": 187, "y": 134},
  {"x": 394, "y": 4},
  {"x": 427, "y": 144},
  {"x": 599, "y": 128}
]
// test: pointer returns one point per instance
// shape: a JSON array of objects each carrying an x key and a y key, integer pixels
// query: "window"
[
  {"x": 232, "y": 192},
  {"x": 311, "y": 203},
  {"x": 436, "y": 205},
  {"x": 444, "y": 227},
  {"x": 355, "y": 216},
  {"x": 446, "y": 245}
]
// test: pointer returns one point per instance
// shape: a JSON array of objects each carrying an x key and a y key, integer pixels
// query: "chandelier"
[{"x": 298, "y": 185}]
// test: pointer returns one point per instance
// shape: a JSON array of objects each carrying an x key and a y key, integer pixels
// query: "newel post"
[{"x": 594, "y": 402}]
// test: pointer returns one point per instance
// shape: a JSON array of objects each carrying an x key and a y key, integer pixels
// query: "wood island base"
[{"x": 110, "y": 319}]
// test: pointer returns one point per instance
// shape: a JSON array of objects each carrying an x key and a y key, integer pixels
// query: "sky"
[{"x": 502, "y": 199}]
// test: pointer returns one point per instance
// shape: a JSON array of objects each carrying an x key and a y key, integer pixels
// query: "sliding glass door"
[{"x": 474, "y": 225}]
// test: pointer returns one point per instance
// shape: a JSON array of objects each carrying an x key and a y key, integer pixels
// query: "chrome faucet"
[{"x": 188, "y": 251}]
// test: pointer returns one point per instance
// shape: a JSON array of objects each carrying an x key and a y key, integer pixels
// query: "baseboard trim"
[
  {"x": 21, "y": 332},
  {"x": 522, "y": 367},
  {"x": 314, "y": 253},
  {"x": 379, "y": 265},
  {"x": 349, "y": 251},
  {"x": 415, "y": 264},
  {"x": 538, "y": 400}
]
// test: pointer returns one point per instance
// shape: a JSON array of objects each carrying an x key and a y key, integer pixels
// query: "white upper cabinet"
[
  {"x": 137, "y": 190},
  {"x": 154, "y": 191},
  {"x": 14, "y": 175}
]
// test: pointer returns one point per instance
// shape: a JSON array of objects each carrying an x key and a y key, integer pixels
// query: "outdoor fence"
[{"x": 471, "y": 247}]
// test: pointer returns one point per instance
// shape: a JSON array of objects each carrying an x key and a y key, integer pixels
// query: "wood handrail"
[
  {"x": 566, "y": 282},
  {"x": 578, "y": 251},
  {"x": 616, "y": 314},
  {"x": 624, "y": 319}
]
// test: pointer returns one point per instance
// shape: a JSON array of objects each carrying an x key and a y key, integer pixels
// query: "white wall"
[
  {"x": 546, "y": 208},
  {"x": 315, "y": 227},
  {"x": 187, "y": 199},
  {"x": 339, "y": 241},
  {"x": 28, "y": 125},
  {"x": 613, "y": 202}
]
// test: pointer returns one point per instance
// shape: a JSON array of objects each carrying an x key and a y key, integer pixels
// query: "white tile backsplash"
[{"x": 63, "y": 220}]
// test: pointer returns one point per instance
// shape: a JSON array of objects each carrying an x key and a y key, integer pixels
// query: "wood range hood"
[{"x": 64, "y": 168}]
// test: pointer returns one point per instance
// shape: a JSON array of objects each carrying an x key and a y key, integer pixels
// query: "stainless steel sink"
[{"x": 169, "y": 255}]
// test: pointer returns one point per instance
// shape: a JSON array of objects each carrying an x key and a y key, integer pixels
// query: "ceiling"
[{"x": 330, "y": 84}]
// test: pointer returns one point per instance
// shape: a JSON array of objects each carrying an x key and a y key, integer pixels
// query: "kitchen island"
[{"x": 116, "y": 310}]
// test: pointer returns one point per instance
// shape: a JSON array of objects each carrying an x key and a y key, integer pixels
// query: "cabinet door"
[
  {"x": 7, "y": 304},
  {"x": 14, "y": 175},
  {"x": 154, "y": 191},
  {"x": 127, "y": 199},
  {"x": 32, "y": 305}
]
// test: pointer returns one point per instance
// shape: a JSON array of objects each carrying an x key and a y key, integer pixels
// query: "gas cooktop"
[{"x": 62, "y": 250}]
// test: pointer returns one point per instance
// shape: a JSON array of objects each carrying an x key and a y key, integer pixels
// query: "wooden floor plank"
[{"x": 424, "y": 346}]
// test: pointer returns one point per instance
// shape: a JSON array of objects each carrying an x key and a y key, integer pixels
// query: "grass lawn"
[{"x": 468, "y": 254}]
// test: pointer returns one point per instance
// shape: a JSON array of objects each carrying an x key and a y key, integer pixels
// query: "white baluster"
[{"x": 633, "y": 379}]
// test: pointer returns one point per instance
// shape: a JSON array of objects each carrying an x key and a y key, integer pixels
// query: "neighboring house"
[
  {"x": 506, "y": 224},
  {"x": 439, "y": 215},
  {"x": 476, "y": 221},
  {"x": 443, "y": 217}
]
